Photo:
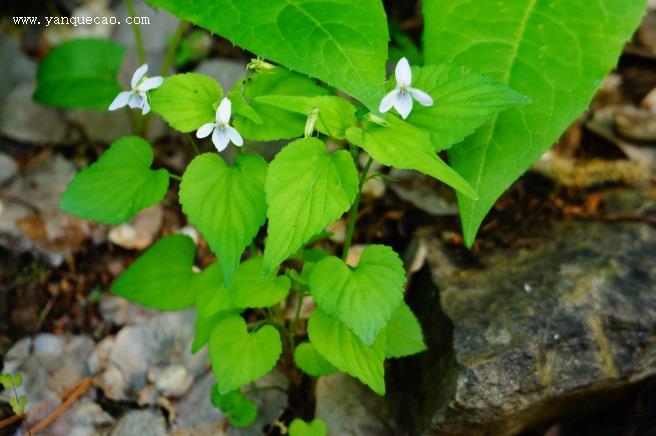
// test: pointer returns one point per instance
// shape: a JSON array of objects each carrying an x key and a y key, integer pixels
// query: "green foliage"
[
  {"x": 345, "y": 351},
  {"x": 307, "y": 188},
  {"x": 335, "y": 115},
  {"x": 402, "y": 145},
  {"x": 298, "y": 427},
  {"x": 118, "y": 185},
  {"x": 161, "y": 278},
  {"x": 259, "y": 121},
  {"x": 555, "y": 53},
  {"x": 80, "y": 73},
  {"x": 231, "y": 346},
  {"x": 342, "y": 42},
  {"x": 226, "y": 203},
  {"x": 240, "y": 410},
  {"x": 187, "y": 101},
  {"x": 463, "y": 101},
  {"x": 11, "y": 382},
  {"x": 308, "y": 359},
  {"x": 349, "y": 294},
  {"x": 403, "y": 334}
]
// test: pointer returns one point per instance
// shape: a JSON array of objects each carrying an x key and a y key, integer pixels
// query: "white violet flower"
[
  {"x": 223, "y": 133},
  {"x": 137, "y": 97},
  {"x": 400, "y": 98}
]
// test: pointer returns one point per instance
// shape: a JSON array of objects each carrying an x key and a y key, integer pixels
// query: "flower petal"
[
  {"x": 388, "y": 101},
  {"x": 224, "y": 111},
  {"x": 403, "y": 73},
  {"x": 121, "y": 100},
  {"x": 136, "y": 77},
  {"x": 403, "y": 104},
  {"x": 146, "y": 106},
  {"x": 422, "y": 97},
  {"x": 220, "y": 138},
  {"x": 205, "y": 130},
  {"x": 136, "y": 101},
  {"x": 234, "y": 136},
  {"x": 150, "y": 83}
]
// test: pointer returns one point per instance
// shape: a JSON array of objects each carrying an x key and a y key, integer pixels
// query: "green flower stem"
[
  {"x": 297, "y": 316},
  {"x": 175, "y": 176},
  {"x": 353, "y": 214},
  {"x": 138, "y": 40},
  {"x": 173, "y": 47},
  {"x": 193, "y": 143}
]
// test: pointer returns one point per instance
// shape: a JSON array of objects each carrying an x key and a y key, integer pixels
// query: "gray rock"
[
  {"x": 15, "y": 67},
  {"x": 140, "y": 231},
  {"x": 144, "y": 422},
  {"x": 534, "y": 334},
  {"x": 349, "y": 408},
  {"x": 32, "y": 220},
  {"x": 225, "y": 71},
  {"x": 8, "y": 168},
  {"x": 423, "y": 192},
  {"x": 106, "y": 127}
]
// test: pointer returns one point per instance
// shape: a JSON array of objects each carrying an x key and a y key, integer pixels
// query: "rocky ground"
[{"x": 547, "y": 327}]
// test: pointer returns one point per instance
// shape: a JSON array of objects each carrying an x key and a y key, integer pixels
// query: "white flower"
[
  {"x": 137, "y": 97},
  {"x": 401, "y": 97},
  {"x": 224, "y": 133}
]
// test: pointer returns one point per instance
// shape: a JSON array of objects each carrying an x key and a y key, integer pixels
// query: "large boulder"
[{"x": 532, "y": 334}]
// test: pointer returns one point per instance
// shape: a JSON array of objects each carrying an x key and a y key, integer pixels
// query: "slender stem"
[
  {"x": 173, "y": 48},
  {"x": 193, "y": 143},
  {"x": 297, "y": 316},
  {"x": 353, "y": 214},
  {"x": 138, "y": 40},
  {"x": 175, "y": 176}
]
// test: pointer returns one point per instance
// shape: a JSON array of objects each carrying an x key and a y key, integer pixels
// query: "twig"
[
  {"x": 70, "y": 397},
  {"x": 9, "y": 421}
]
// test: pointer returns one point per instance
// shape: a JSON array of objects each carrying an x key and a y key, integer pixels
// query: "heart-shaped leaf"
[
  {"x": 342, "y": 42},
  {"x": 161, "y": 277},
  {"x": 308, "y": 359},
  {"x": 307, "y": 188},
  {"x": 187, "y": 101},
  {"x": 363, "y": 298},
  {"x": 554, "y": 52},
  {"x": 339, "y": 346},
  {"x": 298, "y": 427},
  {"x": 403, "y": 334},
  {"x": 239, "y": 358},
  {"x": 226, "y": 203},
  {"x": 118, "y": 185},
  {"x": 240, "y": 410}
]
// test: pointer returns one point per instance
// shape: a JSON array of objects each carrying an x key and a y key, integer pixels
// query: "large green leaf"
[
  {"x": 463, "y": 101},
  {"x": 364, "y": 298},
  {"x": 162, "y": 277},
  {"x": 80, "y": 73},
  {"x": 258, "y": 121},
  {"x": 187, "y": 101},
  {"x": 308, "y": 360},
  {"x": 239, "y": 358},
  {"x": 339, "y": 346},
  {"x": 403, "y": 334},
  {"x": 307, "y": 188},
  {"x": 556, "y": 52},
  {"x": 404, "y": 146},
  {"x": 342, "y": 42},
  {"x": 118, "y": 185},
  {"x": 226, "y": 203}
]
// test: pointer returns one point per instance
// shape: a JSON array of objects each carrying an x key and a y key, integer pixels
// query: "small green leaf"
[
  {"x": 339, "y": 346},
  {"x": 239, "y": 358},
  {"x": 240, "y": 410},
  {"x": 351, "y": 294},
  {"x": 204, "y": 325},
  {"x": 341, "y": 42},
  {"x": 307, "y": 189},
  {"x": 463, "y": 101},
  {"x": 18, "y": 404},
  {"x": 187, "y": 101},
  {"x": 298, "y": 427},
  {"x": 80, "y": 73},
  {"x": 335, "y": 114},
  {"x": 161, "y": 277},
  {"x": 403, "y": 334},
  {"x": 241, "y": 108},
  {"x": 401, "y": 145},
  {"x": 251, "y": 290},
  {"x": 311, "y": 362},
  {"x": 225, "y": 203},
  {"x": 118, "y": 185},
  {"x": 265, "y": 122}
]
